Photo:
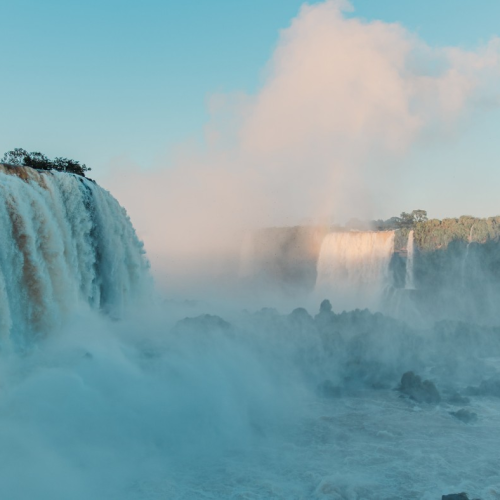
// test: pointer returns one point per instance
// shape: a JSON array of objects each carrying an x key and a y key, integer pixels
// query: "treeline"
[
  {"x": 437, "y": 234},
  {"x": 404, "y": 221},
  {"x": 39, "y": 161},
  {"x": 433, "y": 234}
]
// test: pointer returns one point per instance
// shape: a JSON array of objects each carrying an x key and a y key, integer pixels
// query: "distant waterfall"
[
  {"x": 353, "y": 267},
  {"x": 64, "y": 242},
  {"x": 410, "y": 262},
  {"x": 466, "y": 255}
]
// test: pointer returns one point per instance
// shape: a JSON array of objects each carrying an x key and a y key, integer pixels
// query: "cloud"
[{"x": 343, "y": 101}]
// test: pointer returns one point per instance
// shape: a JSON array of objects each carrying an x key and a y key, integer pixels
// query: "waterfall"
[
  {"x": 353, "y": 267},
  {"x": 65, "y": 242},
  {"x": 466, "y": 255},
  {"x": 410, "y": 254}
]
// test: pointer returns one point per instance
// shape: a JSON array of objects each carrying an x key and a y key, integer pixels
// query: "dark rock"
[
  {"x": 490, "y": 387},
  {"x": 455, "y": 496},
  {"x": 205, "y": 323},
  {"x": 325, "y": 307},
  {"x": 421, "y": 391},
  {"x": 464, "y": 415},
  {"x": 300, "y": 316},
  {"x": 456, "y": 398}
]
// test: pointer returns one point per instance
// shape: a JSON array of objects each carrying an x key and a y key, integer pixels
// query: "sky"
[{"x": 132, "y": 87}]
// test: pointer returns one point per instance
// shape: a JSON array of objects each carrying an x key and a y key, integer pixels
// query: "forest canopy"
[{"x": 39, "y": 161}]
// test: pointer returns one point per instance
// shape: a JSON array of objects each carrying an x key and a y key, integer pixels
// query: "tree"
[
  {"x": 39, "y": 161},
  {"x": 419, "y": 215},
  {"x": 15, "y": 157},
  {"x": 67, "y": 165},
  {"x": 408, "y": 221}
]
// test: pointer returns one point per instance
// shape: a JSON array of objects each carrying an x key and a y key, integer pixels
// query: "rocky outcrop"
[
  {"x": 490, "y": 387},
  {"x": 465, "y": 416},
  {"x": 421, "y": 391}
]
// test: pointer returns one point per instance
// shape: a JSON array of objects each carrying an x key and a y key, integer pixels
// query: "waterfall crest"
[
  {"x": 66, "y": 242},
  {"x": 353, "y": 267}
]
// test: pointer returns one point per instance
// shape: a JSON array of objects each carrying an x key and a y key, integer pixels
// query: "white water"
[
  {"x": 353, "y": 267},
  {"x": 133, "y": 411},
  {"x": 65, "y": 244},
  {"x": 466, "y": 255},
  {"x": 410, "y": 251},
  {"x": 136, "y": 410}
]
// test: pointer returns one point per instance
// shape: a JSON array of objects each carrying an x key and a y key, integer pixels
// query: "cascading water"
[
  {"x": 65, "y": 242},
  {"x": 466, "y": 255},
  {"x": 353, "y": 267},
  {"x": 410, "y": 254}
]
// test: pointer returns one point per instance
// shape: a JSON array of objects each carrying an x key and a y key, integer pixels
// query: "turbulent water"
[
  {"x": 65, "y": 242},
  {"x": 169, "y": 402}
]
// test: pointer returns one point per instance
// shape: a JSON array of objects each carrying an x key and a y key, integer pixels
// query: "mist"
[
  {"x": 343, "y": 106},
  {"x": 219, "y": 331}
]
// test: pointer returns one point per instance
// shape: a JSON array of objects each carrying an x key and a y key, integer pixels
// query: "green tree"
[
  {"x": 419, "y": 215},
  {"x": 39, "y": 161}
]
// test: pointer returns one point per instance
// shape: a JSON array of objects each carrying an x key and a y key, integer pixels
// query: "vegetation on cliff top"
[
  {"x": 39, "y": 161},
  {"x": 435, "y": 234}
]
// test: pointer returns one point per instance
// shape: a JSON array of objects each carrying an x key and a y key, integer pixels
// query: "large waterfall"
[
  {"x": 353, "y": 267},
  {"x": 65, "y": 242}
]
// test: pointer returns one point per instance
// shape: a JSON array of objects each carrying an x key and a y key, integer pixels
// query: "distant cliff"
[{"x": 453, "y": 260}]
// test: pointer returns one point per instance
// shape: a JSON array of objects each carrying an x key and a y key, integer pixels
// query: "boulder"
[
  {"x": 421, "y": 391},
  {"x": 490, "y": 387},
  {"x": 464, "y": 415}
]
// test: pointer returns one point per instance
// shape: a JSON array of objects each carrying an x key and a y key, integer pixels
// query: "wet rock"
[
  {"x": 205, "y": 323},
  {"x": 455, "y": 496},
  {"x": 455, "y": 398},
  {"x": 422, "y": 391},
  {"x": 325, "y": 307},
  {"x": 464, "y": 415},
  {"x": 490, "y": 387},
  {"x": 300, "y": 318}
]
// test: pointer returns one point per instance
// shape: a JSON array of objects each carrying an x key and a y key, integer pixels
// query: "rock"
[
  {"x": 300, "y": 317},
  {"x": 457, "y": 399},
  {"x": 203, "y": 324},
  {"x": 325, "y": 307},
  {"x": 455, "y": 496},
  {"x": 418, "y": 390},
  {"x": 490, "y": 387},
  {"x": 464, "y": 415}
]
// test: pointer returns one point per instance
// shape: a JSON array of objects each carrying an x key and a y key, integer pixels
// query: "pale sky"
[{"x": 122, "y": 83}]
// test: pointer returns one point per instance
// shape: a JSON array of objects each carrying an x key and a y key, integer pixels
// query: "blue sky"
[{"x": 105, "y": 80}]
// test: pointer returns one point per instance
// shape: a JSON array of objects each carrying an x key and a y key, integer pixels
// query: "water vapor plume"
[{"x": 342, "y": 102}]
